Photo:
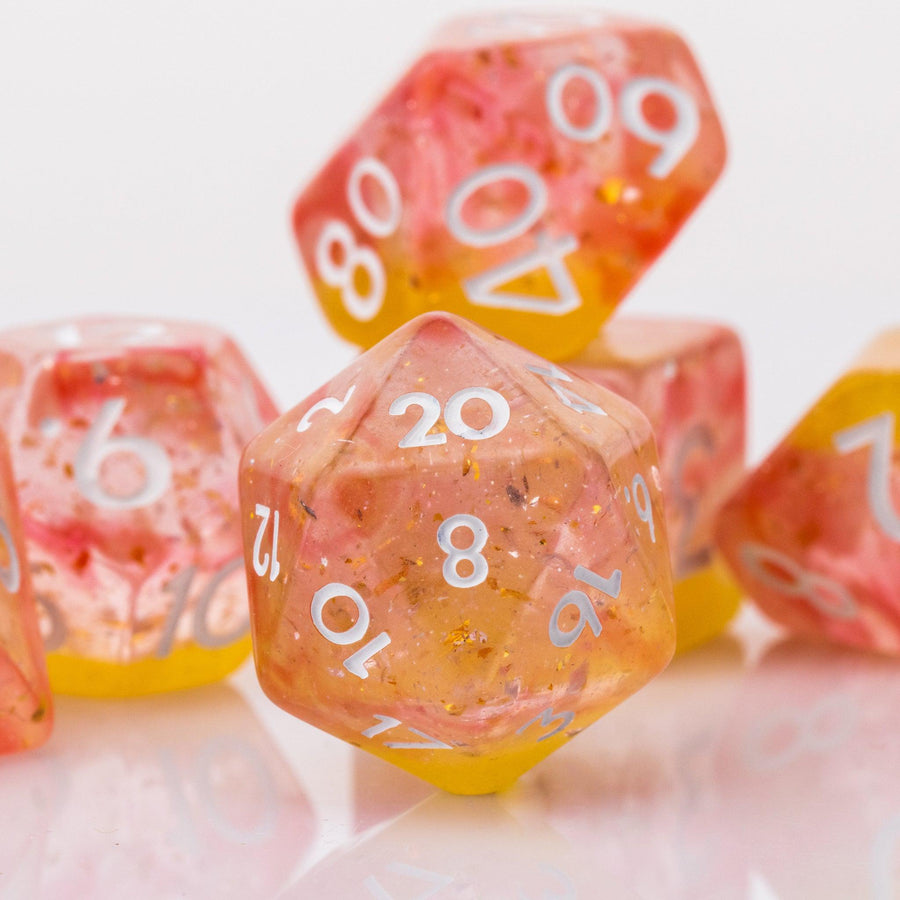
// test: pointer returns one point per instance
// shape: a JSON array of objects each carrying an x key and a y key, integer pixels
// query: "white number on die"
[
  {"x": 548, "y": 253},
  {"x": 418, "y": 435},
  {"x": 354, "y": 664},
  {"x": 261, "y": 564},
  {"x": 775, "y": 570},
  {"x": 180, "y": 587},
  {"x": 674, "y": 142},
  {"x": 329, "y": 404},
  {"x": 699, "y": 438},
  {"x": 587, "y": 615},
  {"x": 386, "y": 723},
  {"x": 546, "y": 719},
  {"x": 877, "y": 433},
  {"x": 337, "y": 234},
  {"x": 99, "y": 444},
  {"x": 552, "y": 378},
  {"x": 640, "y": 495},
  {"x": 469, "y": 554},
  {"x": 10, "y": 575}
]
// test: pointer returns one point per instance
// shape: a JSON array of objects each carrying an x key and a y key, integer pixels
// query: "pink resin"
[
  {"x": 26, "y": 712},
  {"x": 813, "y": 534},
  {"x": 523, "y": 173},
  {"x": 453, "y": 538},
  {"x": 689, "y": 379},
  {"x": 126, "y": 435}
]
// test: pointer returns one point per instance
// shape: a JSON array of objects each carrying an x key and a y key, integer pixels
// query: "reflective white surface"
[{"x": 754, "y": 768}]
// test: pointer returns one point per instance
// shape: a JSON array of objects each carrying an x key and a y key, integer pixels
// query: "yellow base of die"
[
  {"x": 458, "y": 773},
  {"x": 185, "y": 667},
  {"x": 705, "y": 602}
]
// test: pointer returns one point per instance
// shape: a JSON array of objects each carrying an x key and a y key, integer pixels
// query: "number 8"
[
  {"x": 470, "y": 553},
  {"x": 336, "y": 233}
]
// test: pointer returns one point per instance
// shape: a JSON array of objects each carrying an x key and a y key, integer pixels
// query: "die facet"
[
  {"x": 688, "y": 378},
  {"x": 125, "y": 435},
  {"x": 456, "y": 554},
  {"x": 523, "y": 173},
  {"x": 813, "y": 534},
  {"x": 26, "y": 711}
]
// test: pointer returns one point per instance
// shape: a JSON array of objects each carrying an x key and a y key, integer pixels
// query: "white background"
[{"x": 151, "y": 153}]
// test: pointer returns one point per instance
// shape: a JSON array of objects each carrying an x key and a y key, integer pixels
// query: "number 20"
[{"x": 418, "y": 435}]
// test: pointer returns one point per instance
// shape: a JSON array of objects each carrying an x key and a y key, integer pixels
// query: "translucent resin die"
[
  {"x": 125, "y": 436},
  {"x": 457, "y": 555},
  {"x": 26, "y": 713},
  {"x": 523, "y": 173},
  {"x": 688, "y": 378},
  {"x": 813, "y": 534}
]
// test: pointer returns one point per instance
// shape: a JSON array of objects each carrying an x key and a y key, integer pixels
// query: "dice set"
[{"x": 458, "y": 554}]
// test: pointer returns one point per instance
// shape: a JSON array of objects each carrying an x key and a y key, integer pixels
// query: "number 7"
[{"x": 877, "y": 432}]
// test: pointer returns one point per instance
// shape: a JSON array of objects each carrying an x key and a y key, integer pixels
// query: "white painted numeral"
[
  {"x": 99, "y": 444},
  {"x": 353, "y": 257},
  {"x": 640, "y": 493},
  {"x": 329, "y": 404},
  {"x": 418, "y": 435},
  {"x": 547, "y": 254},
  {"x": 674, "y": 142},
  {"x": 386, "y": 723},
  {"x": 10, "y": 575},
  {"x": 556, "y": 86},
  {"x": 456, "y": 554},
  {"x": 587, "y": 614},
  {"x": 780, "y": 572},
  {"x": 552, "y": 377},
  {"x": 53, "y": 627},
  {"x": 877, "y": 433},
  {"x": 819, "y": 729},
  {"x": 435, "y": 880},
  {"x": 180, "y": 587},
  {"x": 355, "y": 664},
  {"x": 261, "y": 563},
  {"x": 488, "y": 237},
  {"x": 546, "y": 719}
]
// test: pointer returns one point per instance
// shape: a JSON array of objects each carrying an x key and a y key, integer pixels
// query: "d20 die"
[
  {"x": 523, "y": 173},
  {"x": 126, "y": 436},
  {"x": 688, "y": 378},
  {"x": 26, "y": 712},
  {"x": 813, "y": 534},
  {"x": 445, "y": 568}
]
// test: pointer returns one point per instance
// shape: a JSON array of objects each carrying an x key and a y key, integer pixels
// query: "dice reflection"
[{"x": 178, "y": 796}]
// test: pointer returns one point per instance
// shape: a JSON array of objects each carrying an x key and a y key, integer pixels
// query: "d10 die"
[
  {"x": 523, "y": 173},
  {"x": 457, "y": 555},
  {"x": 813, "y": 534},
  {"x": 26, "y": 713},
  {"x": 688, "y": 378},
  {"x": 126, "y": 437}
]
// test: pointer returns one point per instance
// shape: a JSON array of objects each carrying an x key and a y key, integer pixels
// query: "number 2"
[{"x": 877, "y": 433}]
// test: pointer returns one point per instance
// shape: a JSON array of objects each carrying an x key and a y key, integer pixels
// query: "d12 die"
[
  {"x": 523, "y": 173},
  {"x": 26, "y": 713},
  {"x": 813, "y": 534},
  {"x": 688, "y": 378},
  {"x": 445, "y": 568},
  {"x": 126, "y": 436}
]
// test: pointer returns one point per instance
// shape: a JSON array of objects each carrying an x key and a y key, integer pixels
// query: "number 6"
[{"x": 99, "y": 444}]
